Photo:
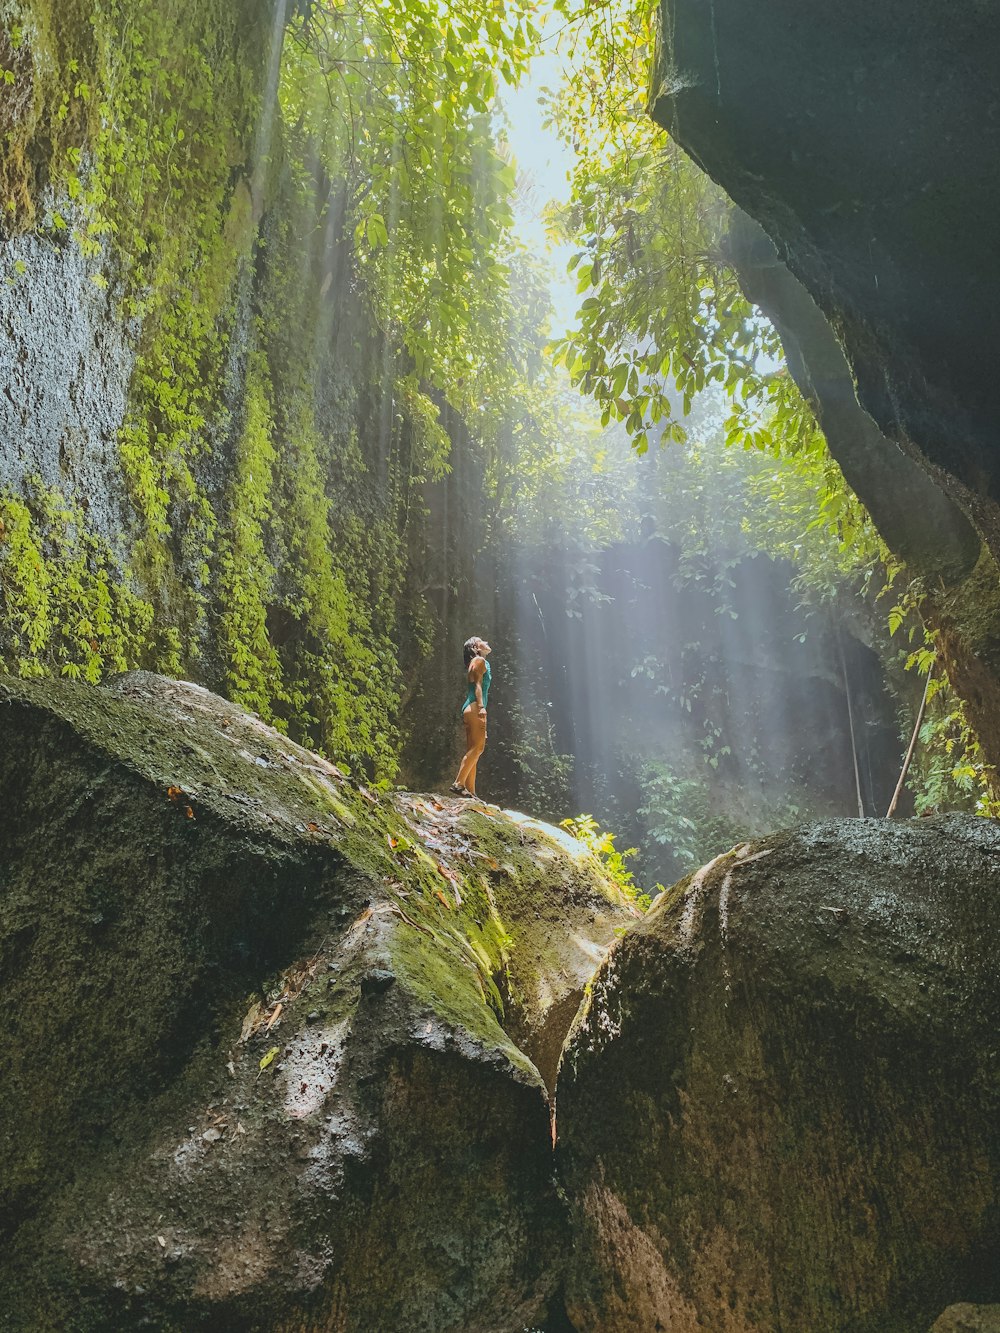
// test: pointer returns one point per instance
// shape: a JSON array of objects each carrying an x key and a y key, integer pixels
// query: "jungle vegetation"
[{"x": 302, "y": 218}]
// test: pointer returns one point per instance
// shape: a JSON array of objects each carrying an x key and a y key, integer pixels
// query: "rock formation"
[
  {"x": 919, "y": 520},
  {"x": 967, "y": 1318},
  {"x": 256, "y": 1071},
  {"x": 865, "y": 142},
  {"x": 278, "y": 1053},
  {"x": 780, "y": 1109}
]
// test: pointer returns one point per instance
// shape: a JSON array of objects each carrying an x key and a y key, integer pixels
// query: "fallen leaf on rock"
[
  {"x": 175, "y": 793},
  {"x": 274, "y": 1017},
  {"x": 266, "y": 1060},
  {"x": 439, "y": 894},
  {"x": 252, "y": 1021},
  {"x": 450, "y": 875},
  {"x": 189, "y": 812},
  {"x": 160, "y": 1240}
]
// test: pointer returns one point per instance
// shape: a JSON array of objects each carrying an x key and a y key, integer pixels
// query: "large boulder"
[
  {"x": 257, "y": 1060},
  {"x": 918, "y": 520},
  {"x": 780, "y": 1110}
]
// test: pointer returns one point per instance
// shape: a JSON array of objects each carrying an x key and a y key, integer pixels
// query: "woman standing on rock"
[{"x": 475, "y": 651}]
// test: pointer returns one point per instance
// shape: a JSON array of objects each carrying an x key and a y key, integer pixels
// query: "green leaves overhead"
[
  {"x": 400, "y": 99},
  {"x": 663, "y": 317}
]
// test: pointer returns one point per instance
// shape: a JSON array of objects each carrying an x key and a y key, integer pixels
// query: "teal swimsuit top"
[{"x": 470, "y": 698}]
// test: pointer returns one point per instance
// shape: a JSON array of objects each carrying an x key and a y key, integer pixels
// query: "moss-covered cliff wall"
[{"x": 211, "y": 463}]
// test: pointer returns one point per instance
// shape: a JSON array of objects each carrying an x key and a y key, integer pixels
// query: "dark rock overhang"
[{"x": 866, "y": 141}]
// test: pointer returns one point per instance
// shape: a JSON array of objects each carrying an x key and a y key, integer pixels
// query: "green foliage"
[
  {"x": 663, "y": 319},
  {"x": 314, "y": 263},
  {"x": 685, "y": 817},
  {"x": 401, "y": 108},
  {"x": 661, "y": 316},
  {"x": 246, "y": 575},
  {"x": 948, "y": 770},
  {"x": 63, "y": 607},
  {"x": 542, "y": 774},
  {"x": 602, "y": 844},
  {"x": 264, "y": 553}
]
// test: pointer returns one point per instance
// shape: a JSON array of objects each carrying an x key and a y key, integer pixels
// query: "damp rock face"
[
  {"x": 879, "y": 204},
  {"x": 257, "y": 1070},
  {"x": 967, "y": 1318},
  {"x": 66, "y": 361},
  {"x": 817, "y": 122},
  {"x": 781, "y": 1108}
]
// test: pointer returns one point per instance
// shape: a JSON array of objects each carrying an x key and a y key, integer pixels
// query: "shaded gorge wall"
[
  {"x": 212, "y": 461},
  {"x": 876, "y": 262}
]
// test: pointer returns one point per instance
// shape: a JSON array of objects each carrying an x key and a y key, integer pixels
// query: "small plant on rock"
[{"x": 602, "y": 844}]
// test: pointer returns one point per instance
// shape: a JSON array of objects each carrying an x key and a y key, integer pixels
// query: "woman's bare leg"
[
  {"x": 475, "y": 732},
  {"x": 467, "y": 764},
  {"x": 470, "y": 777}
]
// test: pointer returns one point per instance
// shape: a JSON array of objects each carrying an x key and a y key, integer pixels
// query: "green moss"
[
  {"x": 161, "y": 105},
  {"x": 160, "y": 198},
  {"x": 64, "y": 608},
  {"x": 445, "y": 978},
  {"x": 47, "y": 50},
  {"x": 275, "y": 441},
  {"x": 343, "y": 682},
  {"x": 246, "y": 575}
]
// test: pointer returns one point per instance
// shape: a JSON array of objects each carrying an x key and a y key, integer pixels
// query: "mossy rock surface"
[
  {"x": 966, "y": 1318},
  {"x": 268, "y": 1058},
  {"x": 780, "y": 1112}
]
